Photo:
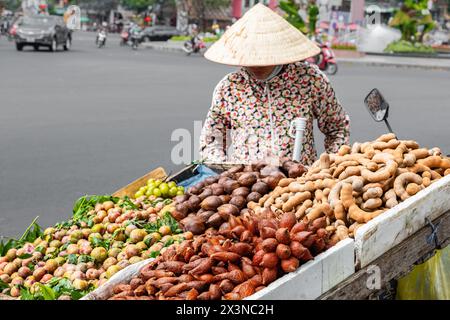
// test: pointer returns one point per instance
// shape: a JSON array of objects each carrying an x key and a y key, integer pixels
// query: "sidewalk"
[
  {"x": 386, "y": 61},
  {"x": 169, "y": 46},
  {"x": 367, "y": 60}
]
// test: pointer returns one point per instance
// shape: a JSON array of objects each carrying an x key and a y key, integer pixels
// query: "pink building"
[
  {"x": 357, "y": 10},
  {"x": 239, "y": 7}
]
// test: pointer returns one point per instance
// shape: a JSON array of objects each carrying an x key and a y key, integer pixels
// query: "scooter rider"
[
  {"x": 195, "y": 35},
  {"x": 5, "y": 26},
  {"x": 134, "y": 28},
  {"x": 104, "y": 29}
]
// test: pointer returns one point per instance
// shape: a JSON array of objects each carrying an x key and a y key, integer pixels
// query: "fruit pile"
[
  {"x": 357, "y": 184},
  {"x": 105, "y": 235},
  {"x": 241, "y": 258},
  {"x": 211, "y": 202},
  {"x": 255, "y": 223},
  {"x": 159, "y": 189},
  {"x": 229, "y": 236}
]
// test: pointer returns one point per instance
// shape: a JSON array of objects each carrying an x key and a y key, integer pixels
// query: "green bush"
[
  {"x": 403, "y": 46},
  {"x": 185, "y": 38},
  {"x": 210, "y": 39},
  {"x": 344, "y": 46},
  {"x": 180, "y": 38}
]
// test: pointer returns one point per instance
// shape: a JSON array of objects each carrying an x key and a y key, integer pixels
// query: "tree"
[
  {"x": 197, "y": 8},
  {"x": 411, "y": 17},
  {"x": 313, "y": 17},
  {"x": 138, "y": 5},
  {"x": 12, "y": 5},
  {"x": 104, "y": 6},
  {"x": 291, "y": 8}
]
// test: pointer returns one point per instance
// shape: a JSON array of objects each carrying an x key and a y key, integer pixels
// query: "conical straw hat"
[{"x": 261, "y": 38}]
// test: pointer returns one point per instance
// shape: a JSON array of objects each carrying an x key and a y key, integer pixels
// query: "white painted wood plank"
[
  {"x": 395, "y": 225},
  {"x": 338, "y": 265}
]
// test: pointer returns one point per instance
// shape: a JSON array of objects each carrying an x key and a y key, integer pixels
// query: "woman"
[{"x": 255, "y": 105}]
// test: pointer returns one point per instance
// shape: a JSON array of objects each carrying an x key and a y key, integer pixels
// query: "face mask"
[{"x": 273, "y": 74}]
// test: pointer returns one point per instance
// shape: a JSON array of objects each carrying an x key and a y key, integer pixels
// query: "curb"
[
  {"x": 166, "y": 48},
  {"x": 163, "y": 48},
  {"x": 437, "y": 55},
  {"x": 397, "y": 65},
  {"x": 341, "y": 61}
]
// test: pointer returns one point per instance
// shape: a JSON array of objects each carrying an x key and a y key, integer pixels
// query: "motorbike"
[
  {"x": 12, "y": 32},
  {"x": 4, "y": 30},
  {"x": 135, "y": 38},
  {"x": 124, "y": 37},
  {"x": 101, "y": 39},
  {"x": 325, "y": 60},
  {"x": 194, "y": 46}
]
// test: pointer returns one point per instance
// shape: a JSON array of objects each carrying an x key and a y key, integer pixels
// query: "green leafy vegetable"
[
  {"x": 25, "y": 256},
  {"x": 84, "y": 258},
  {"x": 64, "y": 224},
  {"x": 53, "y": 289},
  {"x": 154, "y": 254},
  {"x": 86, "y": 203},
  {"x": 32, "y": 266},
  {"x": 33, "y": 232},
  {"x": 64, "y": 246},
  {"x": 168, "y": 220},
  {"x": 25, "y": 294},
  {"x": 127, "y": 203},
  {"x": 3, "y": 285},
  {"x": 47, "y": 292},
  {"x": 169, "y": 242},
  {"x": 98, "y": 242},
  {"x": 72, "y": 259},
  {"x": 5, "y": 246}
]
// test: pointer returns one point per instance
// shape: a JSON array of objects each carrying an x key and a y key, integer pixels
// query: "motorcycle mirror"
[{"x": 378, "y": 107}]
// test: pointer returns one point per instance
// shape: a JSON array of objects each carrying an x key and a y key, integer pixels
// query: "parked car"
[
  {"x": 159, "y": 33},
  {"x": 42, "y": 31}
]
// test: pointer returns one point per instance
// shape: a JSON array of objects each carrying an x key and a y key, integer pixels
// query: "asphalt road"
[{"x": 89, "y": 121}]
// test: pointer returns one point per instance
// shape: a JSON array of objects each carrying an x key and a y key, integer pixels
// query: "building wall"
[
  {"x": 357, "y": 10},
  {"x": 239, "y": 7},
  {"x": 236, "y": 8}
]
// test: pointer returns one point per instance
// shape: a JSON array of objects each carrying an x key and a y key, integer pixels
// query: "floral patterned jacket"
[{"x": 250, "y": 120}]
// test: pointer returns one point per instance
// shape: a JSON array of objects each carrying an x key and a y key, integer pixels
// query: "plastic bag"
[
  {"x": 203, "y": 173},
  {"x": 429, "y": 280},
  {"x": 124, "y": 276}
]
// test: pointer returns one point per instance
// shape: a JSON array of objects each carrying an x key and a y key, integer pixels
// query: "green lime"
[
  {"x": 180, "y": 193},
  {"x": 180, "y": 188},
  {"x": 157, "y": 183},
  {"x": 173, "y": 191},
  {"x": 164, "y": 188},
  {"x": 172, "y": 184},
  {"x": 165, "y": 194},
  {"x": 139, "y": 194},
  {"x": 151, "y": 180},
  {"x": 157, "y": 192},
  {"x": 149, "y": 191}
]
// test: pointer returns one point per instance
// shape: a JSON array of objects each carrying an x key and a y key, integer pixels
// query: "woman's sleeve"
[
  {"x": 333, "y": 121},
  {"x": 214, "y": 132}
]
